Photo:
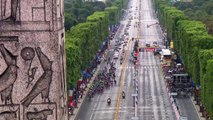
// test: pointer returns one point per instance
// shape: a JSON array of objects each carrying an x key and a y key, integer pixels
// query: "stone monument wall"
[{"x": 32, "y": 61}]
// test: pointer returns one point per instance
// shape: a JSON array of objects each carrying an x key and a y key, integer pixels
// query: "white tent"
[{"x": 166, "y": 52}]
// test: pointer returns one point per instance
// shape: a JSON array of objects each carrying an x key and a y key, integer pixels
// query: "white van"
[{"x": 116, "y": 55}]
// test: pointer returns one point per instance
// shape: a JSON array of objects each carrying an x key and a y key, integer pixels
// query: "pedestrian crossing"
[
  {"x": 125, "y": 108},
  {"x": 142, "y": 66},
  {"x": 152, "y": 100},
  {"x": 152, "y": 90},
  {"x": 150, "y": 66}
]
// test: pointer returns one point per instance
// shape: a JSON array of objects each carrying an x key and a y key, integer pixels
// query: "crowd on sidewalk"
[
  {"x": 101, "y": 81},
  {"x": 179, "y": 84}
]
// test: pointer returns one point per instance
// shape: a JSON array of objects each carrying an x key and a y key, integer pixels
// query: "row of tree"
[
  {"x": 198, "y": 10},
  {"x": 195, "y": 46},
  {"x": 77, "y": 11},
  {"x": 84, "y": 39}
]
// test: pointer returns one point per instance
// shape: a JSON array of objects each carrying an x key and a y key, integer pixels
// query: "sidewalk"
[
  {"x": 84, "y": 97},
  {"x": 75, "y": 112},
  {"x": 197, "y": 108},
  {"x": 175, "y": 109}
]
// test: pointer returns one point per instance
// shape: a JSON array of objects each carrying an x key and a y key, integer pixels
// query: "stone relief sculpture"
[
  {"x": 9, "y": 9},
  {"x": 39, "y": 115},
  {"x": 10, "y": 112},
  {"x": 9, "y": 76},
  {"x": 8, "y": 115},
  {"x": 32, "y": 29},
  {"x": 61, "y": 4},
  {"x": 28, "y": 54},
  {"x": 62, "y": 69},
  {"x": 14, "y": 7},
  {"x": 43, "y": 84},
  {"x": 63, "y": 87}
]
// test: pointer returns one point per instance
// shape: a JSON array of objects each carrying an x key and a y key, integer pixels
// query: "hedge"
[
  {"x": 204, "y": 56},
  {"x": 209, "y": 84},
  {"x": 193, "y": 43},
  {"x": 113, "y": 14},
  {"x": 84, "y": 39}
]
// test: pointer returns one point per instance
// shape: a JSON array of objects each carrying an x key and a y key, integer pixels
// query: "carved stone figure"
[
  {"x": 43, "y": 84},
  {"x": 14, "y": 7},
  {"x": 28, "y": 54},
  {"x": 32, "y": 58},
  {"x": 8, "y": 115},
  {"x": 9, "y": 7},
  {"x": 8, "y": 77},
  {"x": 39, "y": 115}
]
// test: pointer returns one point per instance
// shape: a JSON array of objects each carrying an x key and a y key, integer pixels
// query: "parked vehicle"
[
  {"x": 116, "y": 55},
  {"x": 157, "y": 52},
  {"x": 155, "y": 44},
  {"x": 147, "y": 45}
]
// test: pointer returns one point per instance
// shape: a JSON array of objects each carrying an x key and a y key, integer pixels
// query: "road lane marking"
[
  {"x": 130, "y": 107},
  {"x": 95, "y": 107},
  {"x": 109, "y": 111},
  {"x": 121, "y": 84}
]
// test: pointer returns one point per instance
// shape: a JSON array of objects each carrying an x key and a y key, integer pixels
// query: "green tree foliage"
[
  {"x": 192, "y": 37},
  {"x": 204, "y": 56},
  {"x": 113, "y": 14},
  {"x": 87, "y": 33},
  {"x": 102, "y": 18},
  {"x": 171, "y": 16},
  {"x": 73, "y": 58},
  {"x": 209, "y": 84},
  {"x": 89, "y": 25},
  {"x": 121, "y": 4},
  {"x": 77, "y": 11},
  {"x": 81, "y": 44},
  {"x": 70, "y": 20},
  {"x": 108, "y": 3},
  {"x": 198, "y": 10},
  {"x": 192, "y": 42}
]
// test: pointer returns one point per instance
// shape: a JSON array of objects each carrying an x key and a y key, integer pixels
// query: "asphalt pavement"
[{"x": 153, "y": 102}]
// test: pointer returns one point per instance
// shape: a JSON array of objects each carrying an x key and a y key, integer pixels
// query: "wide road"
[
  {"x": 97, "y": 108},
  {"x": 152, "y": 101}
]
